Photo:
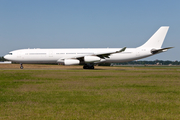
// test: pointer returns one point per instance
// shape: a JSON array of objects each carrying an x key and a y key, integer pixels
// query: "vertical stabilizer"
[{"x": 157, "y": 39}]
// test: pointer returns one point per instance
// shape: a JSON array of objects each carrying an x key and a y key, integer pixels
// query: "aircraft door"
[
  {"x": 137, "y": 52},
  {"x": 50, "y": 53},
  {"x": 19, "y": 54}
]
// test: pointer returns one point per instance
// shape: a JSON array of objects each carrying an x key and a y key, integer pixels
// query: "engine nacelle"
[
  {"x": 91, "y": 59},
  {"x": 71, "y": 62}
]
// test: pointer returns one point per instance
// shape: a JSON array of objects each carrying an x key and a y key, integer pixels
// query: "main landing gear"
[
  {"x": 21, "y": 66},
  {"x": 88, "y": 66}
]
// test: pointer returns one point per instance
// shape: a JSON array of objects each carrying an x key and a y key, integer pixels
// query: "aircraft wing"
[
  {"x": 155, "y": 51},
  {"x": 106, "y": 55},
  {"x": 101, "y": 55}
]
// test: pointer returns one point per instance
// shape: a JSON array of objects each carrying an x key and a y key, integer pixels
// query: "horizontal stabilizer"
[{"x": 155, "y": 51}]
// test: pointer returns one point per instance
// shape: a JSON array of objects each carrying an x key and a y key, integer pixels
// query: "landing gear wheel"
[
  {"x": 85, "y": 67},
  {"x": 21, "y": 66},
  {"x": 92, "y": 67},
  {"x": 88, "y": 66}
]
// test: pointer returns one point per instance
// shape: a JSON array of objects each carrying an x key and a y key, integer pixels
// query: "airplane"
[{"x": 91, "y": 56}]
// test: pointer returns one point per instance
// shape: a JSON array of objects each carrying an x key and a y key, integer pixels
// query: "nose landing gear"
[{"x": 21, "y": 66}]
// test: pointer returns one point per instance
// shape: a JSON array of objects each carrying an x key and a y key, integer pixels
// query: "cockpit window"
[{"x": 9, "y": 53}]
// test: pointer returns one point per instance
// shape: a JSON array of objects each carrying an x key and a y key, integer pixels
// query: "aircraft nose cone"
[{"x": 6, "y": 57}]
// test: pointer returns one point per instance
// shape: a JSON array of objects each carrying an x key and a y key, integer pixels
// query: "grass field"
[{"x": 58, "y": 92}]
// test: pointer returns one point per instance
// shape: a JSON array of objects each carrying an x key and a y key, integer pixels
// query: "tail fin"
[{"x": 157, "y": 39}]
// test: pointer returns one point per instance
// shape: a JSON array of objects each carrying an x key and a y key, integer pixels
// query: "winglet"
[{"x": 123, "y": 49}]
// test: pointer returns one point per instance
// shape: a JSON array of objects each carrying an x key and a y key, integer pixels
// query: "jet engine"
[
  {"x": 71, "y": 62},
  {"x": 91, "y": 59}
]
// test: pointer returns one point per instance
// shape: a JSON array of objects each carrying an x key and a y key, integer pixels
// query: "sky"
[{"x": 88, "y": 24}]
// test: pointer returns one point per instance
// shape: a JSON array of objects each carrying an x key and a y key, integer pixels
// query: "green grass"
[{"x": 137, "y": 93}]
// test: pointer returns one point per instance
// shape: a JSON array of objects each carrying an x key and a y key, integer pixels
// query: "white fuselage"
[{"x": 53, "y": 55}]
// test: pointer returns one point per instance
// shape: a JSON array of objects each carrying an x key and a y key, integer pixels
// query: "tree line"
[
  {"x": 155, "y": 62},
  {"x": 2, "y": 59}
]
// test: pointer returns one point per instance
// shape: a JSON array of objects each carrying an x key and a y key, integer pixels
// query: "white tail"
[{"x": 157, "y": 39}]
